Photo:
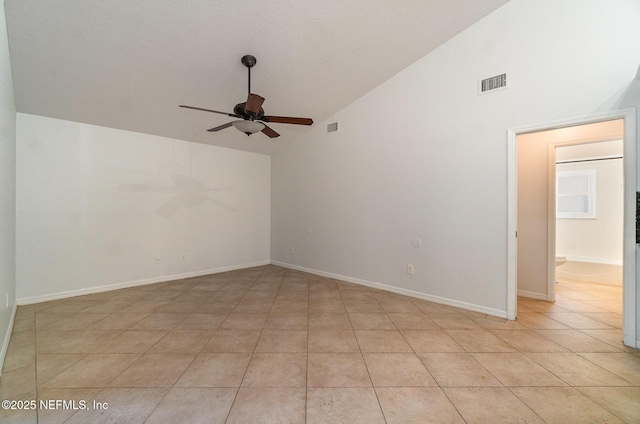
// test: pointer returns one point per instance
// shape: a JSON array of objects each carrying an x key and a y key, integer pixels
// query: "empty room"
[{"x": 318, "y": 212}]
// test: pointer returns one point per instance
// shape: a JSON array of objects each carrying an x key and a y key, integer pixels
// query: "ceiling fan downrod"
[{"x": 249, "y": 61}]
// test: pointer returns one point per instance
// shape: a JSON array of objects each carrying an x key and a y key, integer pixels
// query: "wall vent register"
[
  {"x": 493, "y": 83},
  {"x": 332, "y": 127}
]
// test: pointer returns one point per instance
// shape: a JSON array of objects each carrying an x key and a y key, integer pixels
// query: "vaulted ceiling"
[{"x": 127, "y": 64}]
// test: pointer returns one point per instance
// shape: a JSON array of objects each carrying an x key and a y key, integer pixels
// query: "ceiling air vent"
[
  {"x": 332, "y": 127},
  {"x": 493, "y": 83}
]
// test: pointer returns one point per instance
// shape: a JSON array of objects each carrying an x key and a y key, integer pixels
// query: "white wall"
[
  {"x": 423, "y": 155},
  {"x": 7, "y": 189},
  {"x": 96, "y": 206},
  {"x": 596, "y": 240}
]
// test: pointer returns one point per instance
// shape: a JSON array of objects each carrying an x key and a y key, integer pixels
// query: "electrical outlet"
[
  {"x": 292, "y": 251},
  {"x": 157, "y": 259},
  {"x": 410, "y": 269},
  {"x": 6, "y": 296},
  {"x": 184, "y": 256}
]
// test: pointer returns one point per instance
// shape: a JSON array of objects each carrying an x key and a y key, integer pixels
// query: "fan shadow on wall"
[{"x": 187, "y": 192}]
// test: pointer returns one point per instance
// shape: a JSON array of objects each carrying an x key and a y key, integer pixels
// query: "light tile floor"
[{"x": 267, "y": 345}]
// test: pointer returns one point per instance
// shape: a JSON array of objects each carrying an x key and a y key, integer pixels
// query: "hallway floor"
[{"x": 267, "y": 345}]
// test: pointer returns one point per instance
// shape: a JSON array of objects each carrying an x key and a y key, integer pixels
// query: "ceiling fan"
[{"x": 251, "y": 112}]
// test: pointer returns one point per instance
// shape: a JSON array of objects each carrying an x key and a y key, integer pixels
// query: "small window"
[{"x": 576, "y": 194}]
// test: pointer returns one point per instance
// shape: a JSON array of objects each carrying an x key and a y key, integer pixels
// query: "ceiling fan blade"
[
  {"x": 271, "y": 133},
  {"x": 287, "y": 120},
  {"x": 220, "y": 127},
  {"x": 254, "y": 103},
  {"x": 209, "y": 110}
]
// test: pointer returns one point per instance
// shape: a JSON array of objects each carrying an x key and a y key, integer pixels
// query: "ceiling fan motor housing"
[{"x": 239, "y": 111}]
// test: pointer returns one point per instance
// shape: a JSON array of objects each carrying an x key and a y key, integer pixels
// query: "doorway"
[
  {"x": 589, "y": 194},
  {"x": 533, "y": 275}
]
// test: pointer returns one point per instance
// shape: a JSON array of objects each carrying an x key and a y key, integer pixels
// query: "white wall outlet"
[
  {"x": 184, "y": 256},
  {"x": 292, "y": 251},
  {"x": 157, "y": 259},
  {"x": 410, "y": 269}
]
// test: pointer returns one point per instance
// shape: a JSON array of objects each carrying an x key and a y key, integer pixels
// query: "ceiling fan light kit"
[
  {"x": 248, "y": 127},
  {"x": 252, "y": 114}
]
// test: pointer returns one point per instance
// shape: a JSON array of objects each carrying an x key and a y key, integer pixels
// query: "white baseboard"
[
  {"x": 399, "y": 290},
  {"x": 532, "y": 295},
  {"x": 593, "y": 260},
  {"x": 7, "y": 337},
  {"x": 129, "y": 284}
]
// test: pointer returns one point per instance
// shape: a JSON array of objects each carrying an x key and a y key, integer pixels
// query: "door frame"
[{"x": 630, "y": 187}]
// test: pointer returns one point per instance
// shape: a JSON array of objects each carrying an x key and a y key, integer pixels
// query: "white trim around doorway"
[{"x": 630, "y": 337}]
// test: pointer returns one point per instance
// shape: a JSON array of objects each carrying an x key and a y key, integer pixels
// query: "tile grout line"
[
  {"x": 250, "y": 358},
  {"x": 373, "y": 387},
  {"x": 187, "y": 367}
]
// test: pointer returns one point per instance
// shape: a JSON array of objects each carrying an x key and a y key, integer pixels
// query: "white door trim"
[
  {"x": 630, "y": 187},
  {"x": 551, "y": 222}
]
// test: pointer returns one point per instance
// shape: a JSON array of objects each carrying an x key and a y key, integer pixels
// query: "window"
[{"x": 576, "y": 194}]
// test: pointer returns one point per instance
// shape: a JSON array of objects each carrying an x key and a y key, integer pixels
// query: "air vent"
[
  {"x": 493, "y": 83},
  {"x": 332, "y": 127}
]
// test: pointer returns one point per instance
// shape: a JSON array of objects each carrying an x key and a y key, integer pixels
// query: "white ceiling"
[{"x": 127, "y": 64}]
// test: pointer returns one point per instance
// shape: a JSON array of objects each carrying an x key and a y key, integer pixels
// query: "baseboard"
[
  {"x": 593, "y": 260},
  {"x": 532, "y": 295},
  {"x": 7, "y": 337},
  {"x": 398, "y": 290},
  {"x": 129, "y": 284},
  {"x": 164, "y": 278}
]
